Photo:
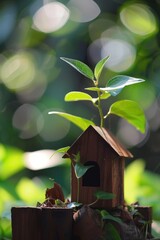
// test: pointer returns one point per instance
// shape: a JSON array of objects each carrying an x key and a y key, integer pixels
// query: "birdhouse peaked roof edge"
[
  {"x": 109, "y": 138},
  {"x": 113, "y": 142}
]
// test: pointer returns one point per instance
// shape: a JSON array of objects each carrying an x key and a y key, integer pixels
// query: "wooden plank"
[
  {"x": 118, "y": 180},
  {"x": 29, "y": 223}
]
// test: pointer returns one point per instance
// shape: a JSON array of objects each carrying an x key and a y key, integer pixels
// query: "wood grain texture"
[
  {"x": 99, "y": 145},
  {"x": 29, "y": 223}
]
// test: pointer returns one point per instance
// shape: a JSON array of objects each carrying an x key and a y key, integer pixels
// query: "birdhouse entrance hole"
[{"x": 92, "y": 176}]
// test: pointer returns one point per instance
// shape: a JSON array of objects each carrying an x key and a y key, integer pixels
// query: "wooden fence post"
[{"x": 33, "y": 223}]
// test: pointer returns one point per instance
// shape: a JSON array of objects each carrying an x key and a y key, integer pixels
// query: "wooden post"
[
  {"x": 30, "y": 223},
  {"x": 146, "y": 213}
]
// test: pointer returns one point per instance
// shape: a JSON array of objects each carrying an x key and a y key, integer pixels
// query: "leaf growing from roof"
[
  {"x": 78, "y": 121},
  {"x": 131, "y": 112},
  {"x": 80, "y": 67}
]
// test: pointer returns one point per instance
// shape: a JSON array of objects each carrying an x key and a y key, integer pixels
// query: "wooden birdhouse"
[{"x": 100, "y": 149}]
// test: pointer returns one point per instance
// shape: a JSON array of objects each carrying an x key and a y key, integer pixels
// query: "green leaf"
[
  {"x": 105, "y": 95},
  {"x": 104, "y": 213},
  {"x": 61, "y": 150},
  {"x": 80, "y": 67},
  {"x": 116, "y": 84},
  {"x": 94, "y": 89},
  {"x": 99, "y": 67},
  {"x": 104, "y": 195},
  {"x": 112, "y": 232},
  {"x": 59, "y": 203},
  {"x": 131, "y": 112},
  {"x": 80, "y": 169},
  {"x": 78, "y": 121},
  {"x": 77, "y": 96},
  {"x": 110, "y": 217},
  {"x": 77, "y": 157}
]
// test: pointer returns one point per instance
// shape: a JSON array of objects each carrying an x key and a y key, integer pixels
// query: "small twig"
[{"x": 91, "y": 204}]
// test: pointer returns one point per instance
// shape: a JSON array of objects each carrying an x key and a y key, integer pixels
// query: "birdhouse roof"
[
  {"x": 109, "y": 138},
  {"x": 112, "y": 141}
]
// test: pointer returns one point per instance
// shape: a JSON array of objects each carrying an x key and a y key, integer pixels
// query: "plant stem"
[
  {"x": 100, "y": 110},
  {"x": 93, "y": 203},
  {"x": 77, "y": 190},
  {"x": 99, "y": 105}
]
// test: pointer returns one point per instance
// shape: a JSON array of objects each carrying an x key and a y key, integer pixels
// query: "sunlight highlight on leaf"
[
  {"x": 63, "y": 150},
  {"x": 80, "y": 67},
  {"x": 77, "y": 96},
  {"x": 99, "y": 67},
  {"x": 131, "y": 112},
  {"x": 117, "y": 83},
  {"x": 78, "y": 121}
]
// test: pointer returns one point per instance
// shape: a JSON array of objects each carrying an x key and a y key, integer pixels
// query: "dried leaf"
[{"x": 55, "y": 193}]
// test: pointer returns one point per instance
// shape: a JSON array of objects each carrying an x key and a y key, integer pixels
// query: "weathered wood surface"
[
  {"x": 29, "y": 223},
  {"x": 97, "y": 145},
  {"x": 57, "y": 224},
  {"x": 146, "y": 215}
]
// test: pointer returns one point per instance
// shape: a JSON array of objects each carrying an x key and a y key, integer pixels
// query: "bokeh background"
[{"x": 33, "y": 81}]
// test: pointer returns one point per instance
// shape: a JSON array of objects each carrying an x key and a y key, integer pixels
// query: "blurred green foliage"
[{"x": 33, "y": 81}]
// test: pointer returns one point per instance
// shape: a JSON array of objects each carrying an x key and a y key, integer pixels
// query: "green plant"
[
  {"x": 127, "y": 109},
  {"x": 111, "y": 232},
  {"x": 108, "y": 227}
]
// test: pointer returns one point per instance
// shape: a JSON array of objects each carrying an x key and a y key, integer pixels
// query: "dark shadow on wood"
[{"x": 92, "y": 176}]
